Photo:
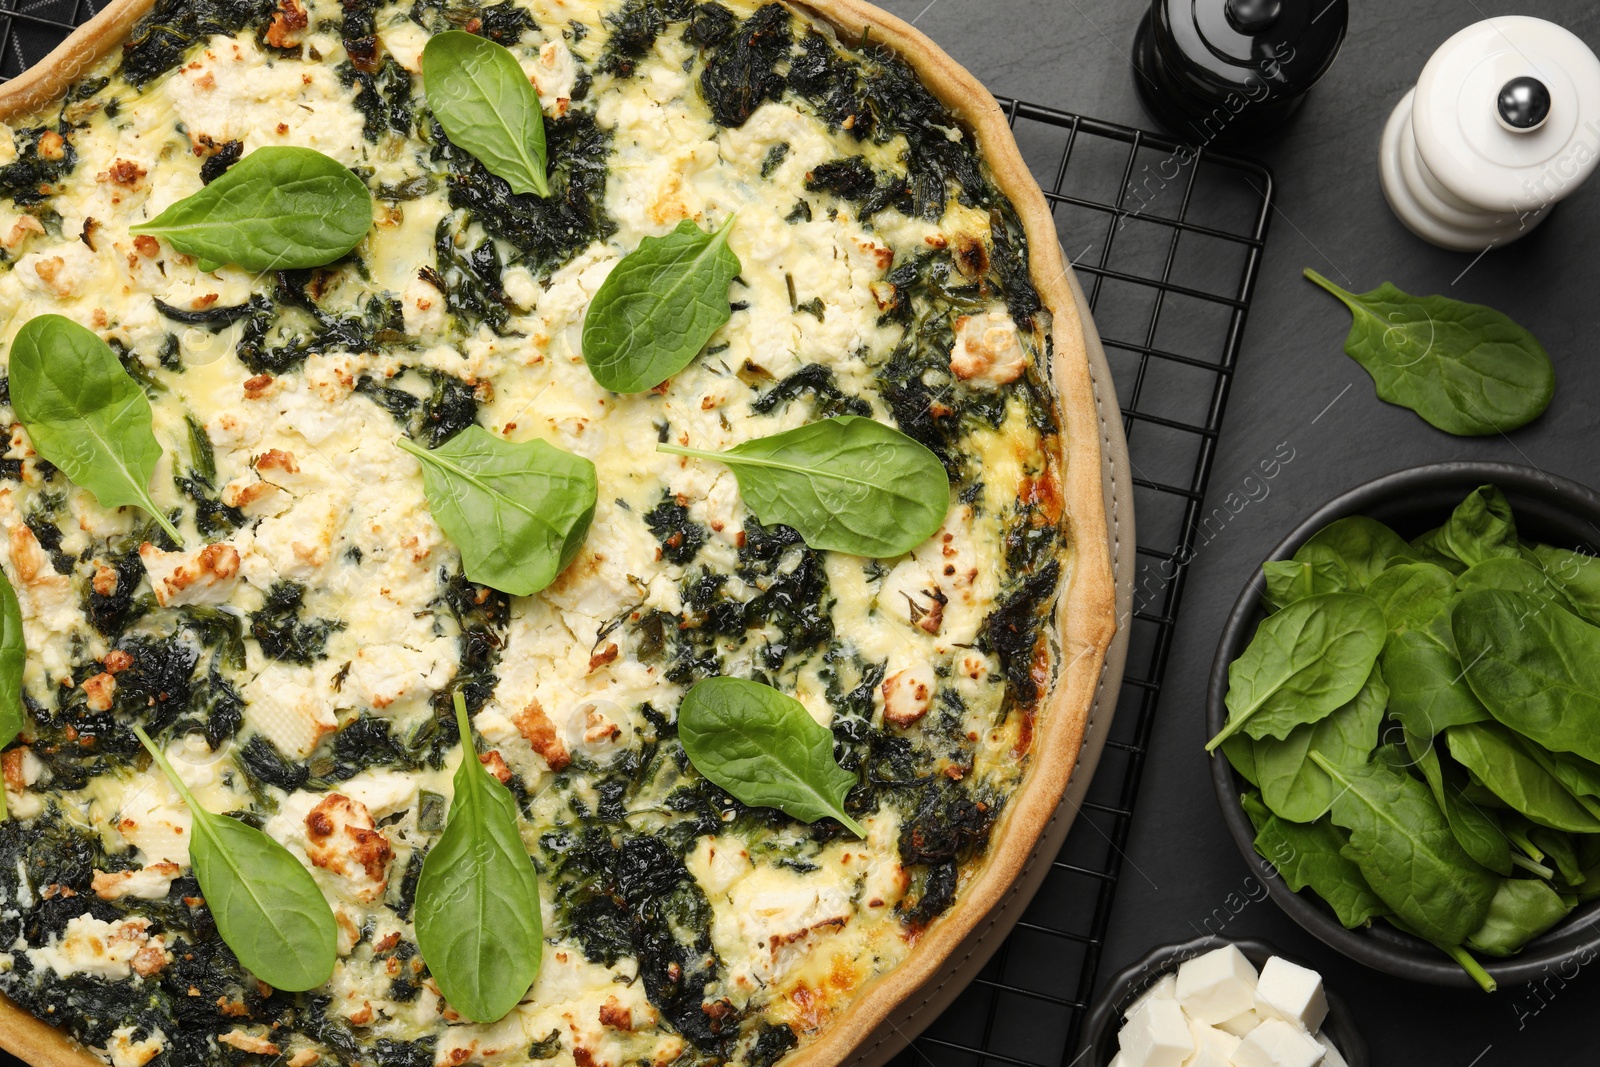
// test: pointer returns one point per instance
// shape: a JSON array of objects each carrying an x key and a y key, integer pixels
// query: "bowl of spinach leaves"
[{"x": 1404, "y": 715}]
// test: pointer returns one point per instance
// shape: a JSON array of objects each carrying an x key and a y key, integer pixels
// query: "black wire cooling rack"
[
  {"x": 1166, "y": 239},
  {"x": 29, "y": 29}
]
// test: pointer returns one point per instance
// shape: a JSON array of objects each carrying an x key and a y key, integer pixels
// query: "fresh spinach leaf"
[
  {"x": 658, "y": 307},
  {"x": 265, "y": 903},
  {"x": 13, "y": 657},
  {"x": 1581, "y": 777},
  {"x": 1303, "y": 662},
  {"x": 1455, "y": 951},
  {"x": 1430, "y": 548},
  {"x": 1465, "y": 368},
  {"x": 1514, "y": 574},
  {"x": 1590, "y": 889},
  {"x": 1407, "y": 854},
  {"x": 1289, "y": 580},
  {"x": 1493, "y": 756},
  {"x": 517, "y": 512},
  {"x": 1578, "y": 575},
  {"x": 1521, "y": 910},
  {"x": 477, "y": 906},
  {"x": 1481, "y": 528},
  {"x": 85, "y": 413},
  {"x": 1475, "y": 828},
  {"x": 1412, "y": 595},
  {"x": 487, "y": 106},
  {"x": 764, "y": 747},
  {"x": 1311, "y": 857},
  {"x": 1535, "y": 666},
  {"x": 847, "y": 484},
  {"x": 1558, "y": 848},
  {"x": 1292, "y": 785},
  {"x": 1354, "y": 550},
  {"x": 1426, "y": 690},
  {"x": 1241, "y": 752},
  {"x": 279, "y": 208}
]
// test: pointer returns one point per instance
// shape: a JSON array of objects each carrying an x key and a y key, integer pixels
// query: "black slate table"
[{"x": 1183, "y": 875}]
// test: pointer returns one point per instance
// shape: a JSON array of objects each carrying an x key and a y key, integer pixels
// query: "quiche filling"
[{"x": 297, "y": 658}]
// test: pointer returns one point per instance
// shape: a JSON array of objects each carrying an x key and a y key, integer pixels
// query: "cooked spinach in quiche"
[{"x": 294, "y": 496}]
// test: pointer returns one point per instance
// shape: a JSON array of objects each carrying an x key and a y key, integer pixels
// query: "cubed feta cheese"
[
  {"x": 1276, "y": 1043},
  {"x": 1217, "y": 986},
  {"x": 1241, "y": 1024},
  {"x": 1157, "y": 1036},
  {"x": 1165, "y": 988},
  {"x": 1212, "y": 1047},
  {"x": 1331, "y": 1058},
  {"x": 1293, "y": 993}
]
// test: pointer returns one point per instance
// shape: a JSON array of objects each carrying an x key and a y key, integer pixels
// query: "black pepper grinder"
[{"x": 1230, "y": 71}]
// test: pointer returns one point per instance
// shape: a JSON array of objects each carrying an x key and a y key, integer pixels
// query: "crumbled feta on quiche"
[{"x": 298, "y": 656}]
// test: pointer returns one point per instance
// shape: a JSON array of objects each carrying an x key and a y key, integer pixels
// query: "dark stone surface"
[{"x": 1332, "y": 216}]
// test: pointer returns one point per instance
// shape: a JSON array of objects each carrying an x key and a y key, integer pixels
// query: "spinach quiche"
[{"x": 555, "y": 530}]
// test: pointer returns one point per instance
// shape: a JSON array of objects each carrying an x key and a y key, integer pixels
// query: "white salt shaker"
[{"x": 1503, "y": 123}]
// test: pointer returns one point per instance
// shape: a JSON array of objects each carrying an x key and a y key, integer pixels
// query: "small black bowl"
[
  {"x": 1548, "y": 509},
  {"x": 1101, "y": 1025}
]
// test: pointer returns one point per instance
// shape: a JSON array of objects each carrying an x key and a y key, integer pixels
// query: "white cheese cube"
[
  {"x": 1276, "y": 1043},
  {"x": 1212, "y": 1047},
  {"x": 1118, "y": 1061},
  {"x": 1332, "y": 1057},
  {"x": 1293, "y": 993},
  {"x": 1241, "y": 1024},
  {"x": 1157, "y": 1036},
  {"x": 1165, "y": 988},
  {"x": 1217, "y": 986}
]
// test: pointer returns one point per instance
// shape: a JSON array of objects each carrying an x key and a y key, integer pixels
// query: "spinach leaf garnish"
[
  {"x": 85, "y": 413},
  {"x": 279, "y": 208},
  {"x": 764, "y": 747},
  {"x": 477, "y": 904},
  {"x": 487, "y": 106},
  {"x": 517, "y": 512},
  {"x": 658, "y": 307},
  {"x": 847, "y": 484},
  {"x": 266, "y": 905},
  {"x": 1465, "y": 368},
  {"x": 13, "y": 656}
]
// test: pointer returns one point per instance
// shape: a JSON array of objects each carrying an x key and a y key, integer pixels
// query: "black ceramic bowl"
[
  {"x": 1548, "y": 509},
  {"x": 1104, "y": 1020}
]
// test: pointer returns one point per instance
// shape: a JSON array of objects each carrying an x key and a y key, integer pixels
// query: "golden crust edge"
[{"x": 1086, "y": 613}]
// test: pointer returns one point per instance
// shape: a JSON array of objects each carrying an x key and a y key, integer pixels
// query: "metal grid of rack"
[
  {"x": 1167, "y": 240},
  {"x": 29, "y": 29}
]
